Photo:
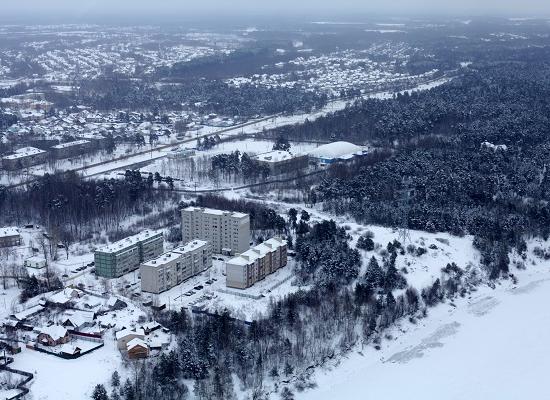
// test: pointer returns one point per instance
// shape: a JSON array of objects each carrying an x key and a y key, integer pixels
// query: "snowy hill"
[{"x": 488, "y": 346}]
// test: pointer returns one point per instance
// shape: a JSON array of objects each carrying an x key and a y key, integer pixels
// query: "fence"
[
  {"x": 91, "y": 337},
  {"x": 22, "y": 385},
  {"x": 247, "y": 295},
  {"x": 66, "y": 356}
]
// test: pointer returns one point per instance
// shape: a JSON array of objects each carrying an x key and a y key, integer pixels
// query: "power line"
[{"x": 406, "y": 195}]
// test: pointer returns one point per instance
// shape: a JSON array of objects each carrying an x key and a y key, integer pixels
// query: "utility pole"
[{"x": 406, "y": 194}]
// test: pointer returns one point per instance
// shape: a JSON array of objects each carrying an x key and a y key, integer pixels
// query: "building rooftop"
[
  {"x": 126, "y": 332},
  {"x": 336, "y": 150},
  {"x": 275, "y": 156},
  {"x": 56, "y": 332},
  {"x": 192, "y": 245},
  {"x": 212, "y": 211},
  {"x": 28, "y": 312},
  {"x": 178, "y": 252},
  {"x": 256, "y": 252},
  {"x": 136, "y": 342},
  {"x": 24, "y": 152},
  {"x": 35, "y": 259},
  {"x": 70, "y": 144},
  {"x": 129, "y": 241},
  {"x": 9, "y": 231}
]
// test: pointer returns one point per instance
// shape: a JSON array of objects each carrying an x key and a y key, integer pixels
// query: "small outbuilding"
[{"x": 35, "y": 262}]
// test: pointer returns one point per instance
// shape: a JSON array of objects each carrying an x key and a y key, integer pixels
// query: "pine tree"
[
  {"x": 286, "y": 394},
  {"x": 374, "y": 277},
  {"x": 115, "y": 379},
  {"x": 100, "y": 393},
  {"x": 288, "y": 369}
]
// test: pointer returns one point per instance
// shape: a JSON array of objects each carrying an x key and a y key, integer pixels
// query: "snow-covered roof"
[
  {"x": 77, "y": 317},
  {"x": 9, "y": 231},
  {"x": 175, "y": 254},
  {"x": 35, "y": 259},
  {"x": 212, "y": 211},
  {"x": 64, "y": 296},
  {"x": 257, "y": 252},
  {"x": 150, "y": 325},
  {"x": 336, "y": 150},
  {"x": 56, "y": 332},
  {"x": 24, "y": 152},
  {"x": 127, "y": 332},
  {"x": 129, "y": 241},
  {"x": 70, "y": 144},
  {"x": 163, "y": 259},
  {"x": 112, "y": 301},
  {"x": 28, "y": 312},
  {"x": 193, "y": 245},
  {"x": 135, "y": 343},
  {"x": 494, "y": 147},
  {"x": 275, "y": 156}
]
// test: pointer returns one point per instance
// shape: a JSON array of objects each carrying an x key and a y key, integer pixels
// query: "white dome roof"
[{"x": 335, "y": 150}]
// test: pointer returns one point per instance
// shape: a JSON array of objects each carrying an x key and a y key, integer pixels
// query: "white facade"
[
  {"x": 227, "y": 232},
  {"x": 255, "y": 264},
  {"x": 172, "y": 268}
]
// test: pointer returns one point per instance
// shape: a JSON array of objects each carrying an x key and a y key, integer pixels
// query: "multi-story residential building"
[
  {"x": 228, "y": 232},
  {"x": 71, "y": 149},
  {"x": 127, "y": 254},
  {"x": 172, "y": 268},
  {"x": 9, "y": 237},
  {"x": 255, "y": 264},
  {"x": 23, "y": 158}
]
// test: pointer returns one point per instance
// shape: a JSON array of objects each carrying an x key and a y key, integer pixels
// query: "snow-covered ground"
[
  {"x": 491, "y": 345},
  {"x": 59, "y": 379}
]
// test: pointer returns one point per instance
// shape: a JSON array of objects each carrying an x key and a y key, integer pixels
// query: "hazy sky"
[{"x": 83, "y": 8}]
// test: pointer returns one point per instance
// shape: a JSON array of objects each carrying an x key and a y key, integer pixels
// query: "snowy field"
[{"x": 79, "y": 376}]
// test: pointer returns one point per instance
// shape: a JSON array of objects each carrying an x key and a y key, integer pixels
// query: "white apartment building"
[
  {"x": 172, "y": 268},
  {"x": 255, "y": 264},
  {"x": 228, "y": 232}
]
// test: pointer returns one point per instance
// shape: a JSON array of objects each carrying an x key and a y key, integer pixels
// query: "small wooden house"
[
  {"x": 137, "y": 349},
  {"x": 53, "y": 335}
]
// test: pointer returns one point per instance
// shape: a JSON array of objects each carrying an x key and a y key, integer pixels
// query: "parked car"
[{"x": 198, "y": 287}]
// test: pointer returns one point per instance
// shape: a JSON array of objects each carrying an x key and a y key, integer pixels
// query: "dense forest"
[
  {"x": 474, "y": 152},
  {"x": 73, "y": 209},
  {"x": 210, "y": 96}
]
